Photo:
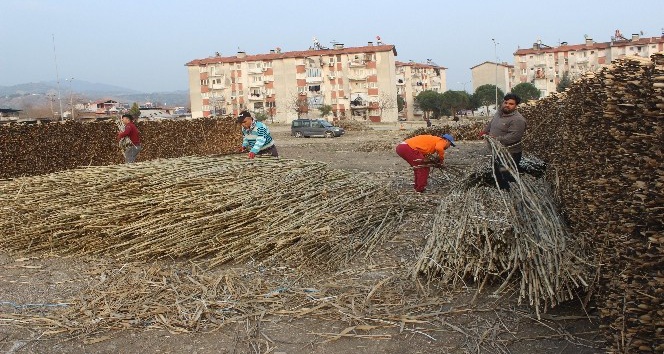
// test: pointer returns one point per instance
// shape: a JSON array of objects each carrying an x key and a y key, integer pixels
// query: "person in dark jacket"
[{"x": 508, "y": 127}]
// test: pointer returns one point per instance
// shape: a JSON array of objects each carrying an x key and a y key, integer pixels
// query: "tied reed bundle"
[{"x": 481, "y": 233}]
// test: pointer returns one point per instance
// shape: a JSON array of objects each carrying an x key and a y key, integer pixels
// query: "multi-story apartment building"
[
  {"x": 413, "y": 78},
  {"x": 356, "y": 82},
  {"x": 544, "y": 66},
  {"x": 491, "y": 73}
]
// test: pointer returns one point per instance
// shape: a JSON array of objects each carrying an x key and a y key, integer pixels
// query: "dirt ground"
[{"x": 490, "y": 324}]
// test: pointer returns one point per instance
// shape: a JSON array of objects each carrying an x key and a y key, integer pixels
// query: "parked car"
[{"x": 315, "y": 127}]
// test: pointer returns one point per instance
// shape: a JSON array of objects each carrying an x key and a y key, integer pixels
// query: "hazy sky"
[{"x": 144, "y": 44}]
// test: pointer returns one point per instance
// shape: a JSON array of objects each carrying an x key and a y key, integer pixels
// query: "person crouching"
[{"x": 418, "y": 150}]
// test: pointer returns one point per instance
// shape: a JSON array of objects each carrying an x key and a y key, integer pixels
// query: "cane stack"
[
  {"x": 603, "y": 138},
  {"x": 56, "y": 146}
]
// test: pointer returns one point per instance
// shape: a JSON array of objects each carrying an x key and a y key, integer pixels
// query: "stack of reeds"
[
  {"x": 219, "y": 209},
  {"x": 56, "y": 146},
  {"x": 482, "y": 234},
  {"x": 604, "y": 139},
  {"x": 459, "y": 132}
]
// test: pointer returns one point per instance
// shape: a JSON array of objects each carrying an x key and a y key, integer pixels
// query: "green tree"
[
  {"x": 430, "y": 102},
  {"x": 453, "y": 101},
  {"x": 401, "y": 103},
  {"x": 261, "y": 116},
  {"x": 526, "y": 91},
  {"x": 135, "y": 111},
  {"x": 564, "y": 83},
  {"x": 486, "y": 96},
  {"x": 325, "y": 110}
]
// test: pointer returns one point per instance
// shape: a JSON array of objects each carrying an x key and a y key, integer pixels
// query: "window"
[
  {"x": 314, "y": 88},
  {"x": 314, "y": 72}
]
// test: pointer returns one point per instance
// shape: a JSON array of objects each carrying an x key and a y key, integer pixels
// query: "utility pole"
[
  {"x": 57, "y": 75},
  {"x": 71, "y": 98},
  {"x": 51, "y": 97},
  {"x": 495, "y": 53}
]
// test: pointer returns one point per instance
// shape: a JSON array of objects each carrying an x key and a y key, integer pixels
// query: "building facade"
[
  {"x": 413, "y": 78},
  {"x": 491, "y": 73},
  {"x": 545, "y": 66},
  {"x": 357, "y": 82}
]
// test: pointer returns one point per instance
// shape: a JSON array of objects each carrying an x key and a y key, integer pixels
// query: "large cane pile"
[
  {"x": 219, "y": 209},
  {"x": 605, "y": 138}
]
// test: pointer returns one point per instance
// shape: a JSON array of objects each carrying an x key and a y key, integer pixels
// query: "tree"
[
  {"x": 135, "y": 111},
  {"x": 430, "y": 102},
  {"x": 325, "y": 110},
  {"x": 452, "y": 101},
  {"x": 486, "y": 95},
  {"x": 298, "y": 103},
  {"x": 386, "y": 102},
  {"x": 526, "y": 91},
  {"x": 260, "y": 116},
  {"x": 401, "y": 103},
  {"x": 564, "y": 83}
]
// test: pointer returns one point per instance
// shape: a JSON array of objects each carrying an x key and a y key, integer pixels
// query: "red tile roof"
[
  {"x": 294, "y": 54},
  {"x": 603, "y": 45},
  {"x": 494, "y": 63},
  {"x": 419, "y": 65}
]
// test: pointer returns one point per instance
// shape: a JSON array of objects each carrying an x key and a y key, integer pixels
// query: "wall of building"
[{"x": 365, "y": 71}]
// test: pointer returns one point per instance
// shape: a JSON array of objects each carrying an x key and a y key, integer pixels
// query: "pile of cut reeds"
[
  {"x": 481, "y": 233},
  {"x": 216, "y": 208}
]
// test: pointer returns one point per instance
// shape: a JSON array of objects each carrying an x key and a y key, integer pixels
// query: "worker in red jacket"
[
  {"x": 133, "y": 146},
  {"x": 419, "y": 151}
]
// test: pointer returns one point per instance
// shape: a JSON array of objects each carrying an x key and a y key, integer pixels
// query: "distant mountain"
[
  {"x": 77, "y": 86},
  {"x": 30, "y": 94}
]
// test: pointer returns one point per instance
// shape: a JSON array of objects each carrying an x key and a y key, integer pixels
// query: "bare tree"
[
  {"x": 386, "y": 102},
  {"x": 298, "y": 103}
]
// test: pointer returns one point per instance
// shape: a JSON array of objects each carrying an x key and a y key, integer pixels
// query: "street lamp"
[
  {"x": 495, "y": 53},
  {"x": 464, "y": 84},
  {"x": 71, "y": 98}
]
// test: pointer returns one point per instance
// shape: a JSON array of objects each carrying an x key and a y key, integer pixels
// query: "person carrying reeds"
[
  {"x": 420, "y": 152},
  {"x": 256, "y": 137},
  {"x": 129, "y": 138},
  {"x": 508, "y": 127}
]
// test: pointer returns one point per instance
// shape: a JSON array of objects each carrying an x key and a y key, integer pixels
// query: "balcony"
[
  {"x": 218, "y": 86},
  {"x": 357, "y": 77},
  {"x": 357, "y": 63},
  {"x": 255, "y": 71},
  {"x": 256, "y": 97},
  {"x": 314, "y": 79}
]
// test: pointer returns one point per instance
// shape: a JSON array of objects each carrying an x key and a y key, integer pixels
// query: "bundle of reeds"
[
  {"x": 481, "y": 234},
  {"x": 216, "y": 208}
]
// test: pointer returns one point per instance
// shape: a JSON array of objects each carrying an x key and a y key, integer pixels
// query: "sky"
[{"x": 144, "y": 44}]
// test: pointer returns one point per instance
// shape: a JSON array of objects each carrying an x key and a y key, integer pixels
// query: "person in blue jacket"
[{"x": 256, "y": 137}]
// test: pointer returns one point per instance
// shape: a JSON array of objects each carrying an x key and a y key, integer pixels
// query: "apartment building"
[
  {"x": 357, "y": 82},
  {"x": 492, "y": 73},
  {"x": 544, "y": 66},
  {"x": 413, "y": 78}
]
